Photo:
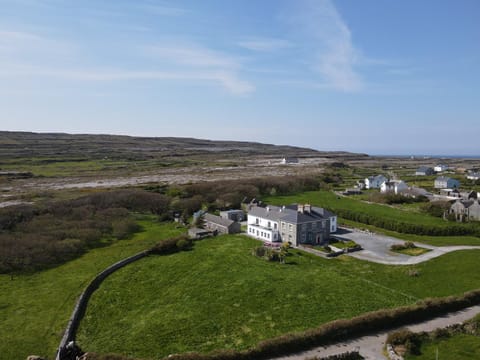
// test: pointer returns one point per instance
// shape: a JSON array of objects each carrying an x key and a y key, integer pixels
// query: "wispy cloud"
[
  {"x": 193, "y": 58},
  {"x": 29, "y": 55},
  {"x": 330, "y": 39},
  {"x": 264, "y": 44}
]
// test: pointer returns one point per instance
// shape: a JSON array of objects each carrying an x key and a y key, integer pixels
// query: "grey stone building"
[
  {"x": 466, "y": 210},
  {"x": 298, "y": 224},
  {"x": 219, "y": 225}
]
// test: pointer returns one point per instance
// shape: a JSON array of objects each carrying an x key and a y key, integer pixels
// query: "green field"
[
  {"x": 216, "y": 296},
  {"x": 34, "y": 309},
  {"x": 430, "y": 240},
  {"x": 331, "y": 201},
  {"x": 457, "y": 347},
  {"x": 220, "y": 296}
]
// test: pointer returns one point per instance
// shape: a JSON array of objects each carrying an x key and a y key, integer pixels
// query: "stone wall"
[{"x": 64, "y": 349}]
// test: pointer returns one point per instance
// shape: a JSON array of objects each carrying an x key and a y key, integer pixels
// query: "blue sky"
[{"x": 381, "y": 77}]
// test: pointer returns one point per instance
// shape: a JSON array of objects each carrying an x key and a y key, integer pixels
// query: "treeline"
[
  {"x": 33, "y": 238},
  {"x": 448, "y": 229},
  {"x": 225, "y": 194}
]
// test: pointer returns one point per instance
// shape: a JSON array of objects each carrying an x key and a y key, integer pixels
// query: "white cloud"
[
  {"x": 25, "y": 55},
  {"x": 264, "y": 44},
  {"x": 328, "y": 35},
  {"x": 202, "y": 63}
]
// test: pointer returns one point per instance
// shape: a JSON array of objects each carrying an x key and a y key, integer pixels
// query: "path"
[
  {"x": 377, "y": 248},
  {"x": 371, "y": 346}
]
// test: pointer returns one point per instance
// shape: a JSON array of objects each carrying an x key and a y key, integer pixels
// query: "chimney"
[
  {"x": 307, "y": 208},
  {"x": 300, "y": 208}
]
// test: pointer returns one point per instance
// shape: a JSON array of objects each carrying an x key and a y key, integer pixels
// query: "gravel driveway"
[{"x": 377, "y": 248}]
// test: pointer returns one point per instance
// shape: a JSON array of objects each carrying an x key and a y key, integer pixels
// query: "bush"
[{"x": 172, "y": 245}]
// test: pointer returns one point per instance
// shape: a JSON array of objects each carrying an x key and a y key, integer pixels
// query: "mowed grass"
[
  {"x": 331, "y": 201},
  {"x": 34, "y": 309},
  {"x": 457, "y": 347},
  {"x": 430, "y": 240},
  {"x": 218, "y": 295}
]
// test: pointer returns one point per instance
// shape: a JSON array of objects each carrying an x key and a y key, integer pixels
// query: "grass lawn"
[
  {"x": 220, "y": 296},
  {"x": 416, "y": 251},
  {"x": 457, "y": 347},
  {"x": 430, "y": 240},
  {"x": 331, "y": 201},
  {"x": 34, "y": 309}
]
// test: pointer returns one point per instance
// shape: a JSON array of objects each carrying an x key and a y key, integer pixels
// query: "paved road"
[
  {"x": 377, "y": 248},
  {"x": 371, "y": 346}
]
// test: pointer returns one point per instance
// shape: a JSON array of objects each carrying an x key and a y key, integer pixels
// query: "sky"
[{"x": 370, "y": 76}]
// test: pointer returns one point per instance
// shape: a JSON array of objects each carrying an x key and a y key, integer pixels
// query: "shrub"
[{"x": 172, "y": 245}]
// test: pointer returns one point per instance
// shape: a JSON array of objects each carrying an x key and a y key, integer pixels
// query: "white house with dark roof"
[
  {"x": 473, "y": 176},
  {"x": 298, "y": 224},
  {"x": 393, "y": 186},
  {"x": 444, "y": 182},
  {"x": 374, "y": 182},
  {"x": 440, "y": 168}
]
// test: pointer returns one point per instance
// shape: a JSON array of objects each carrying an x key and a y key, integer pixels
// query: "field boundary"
[{"x": 64, "y": 349}]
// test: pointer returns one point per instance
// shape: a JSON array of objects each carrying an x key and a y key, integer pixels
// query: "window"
[
  {"x": 269, "y": 224},
  {"x": 290, "y": 227},
  {"x": 275, "y": 226},
  {"x": 256, "y": 221}
]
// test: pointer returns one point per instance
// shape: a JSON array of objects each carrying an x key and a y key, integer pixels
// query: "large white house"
[
  {"x": 374, "y": 182},
  {"x": 298, "y": 224},
  {"x": 393, "y": 186}
]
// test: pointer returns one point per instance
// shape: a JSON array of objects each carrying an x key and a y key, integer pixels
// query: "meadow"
[
  {"x": 219, "y": 295},
  {"x": 403, "y": 220},
  {"x": 34, "y": 308},
  {"x": 457, "y": 347}
]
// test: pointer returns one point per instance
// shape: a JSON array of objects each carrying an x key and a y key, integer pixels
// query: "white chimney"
[
  {"x": 300, "y": 208},
  {"x": 308, "y": 208}
]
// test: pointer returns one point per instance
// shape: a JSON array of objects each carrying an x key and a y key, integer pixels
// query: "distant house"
[
  {"x": 235, "y": 215},
  {"x": 289, "y": 160},
  {"x": 219, "y": 225},
  {"x": 444, "y": 182},
  {"x": 298, "y": 224},
  {"x": 473, "y": 176},
  {"x": 393, "y": 186},
  {"x": 466, "y": 210},
  {"x": 440, "y": 168},
  {"x": 374, "y": 182},
  {"x": 467, "y": 195},
  {"x": 453, "y": 193},
  {"x": 424, "y": 171}
]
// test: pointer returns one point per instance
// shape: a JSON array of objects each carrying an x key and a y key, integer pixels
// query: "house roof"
[
  {"x": 377, "y": 177},
  {"x": 444, "y": 178},
  {"x": 218, "y": 220},
  {"x": 291, "y": 214},
  {"x": 424, "y": 169}
]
